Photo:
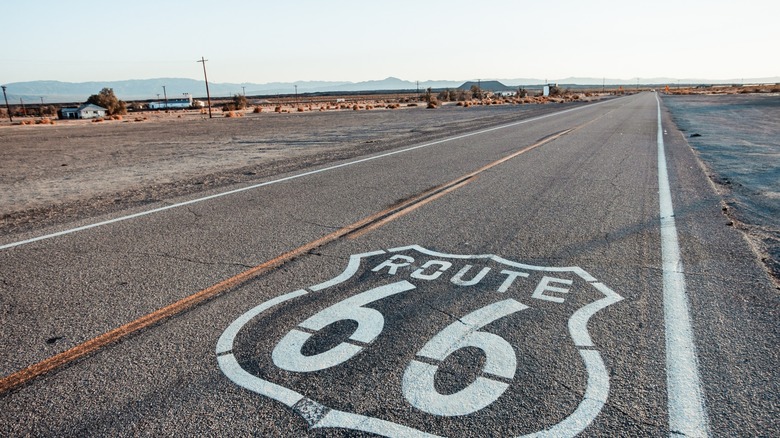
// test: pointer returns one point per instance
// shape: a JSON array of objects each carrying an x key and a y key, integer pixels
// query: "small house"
[{"x": 85, "y": 111}]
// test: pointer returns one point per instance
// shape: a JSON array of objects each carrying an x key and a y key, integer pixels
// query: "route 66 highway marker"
[{"x": 325, "y": 375}]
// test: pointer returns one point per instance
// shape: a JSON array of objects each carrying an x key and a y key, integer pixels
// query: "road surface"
[{"x": 565, "y": 274}]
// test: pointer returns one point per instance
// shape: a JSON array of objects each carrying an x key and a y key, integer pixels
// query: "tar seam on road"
[
  {"x": 300, "y": 175},
  {"x": 687, "y": 414},
  {"x": 362, "y": 226}
]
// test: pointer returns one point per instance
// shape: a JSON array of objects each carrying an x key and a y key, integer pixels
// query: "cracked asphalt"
[{"x": 484, "y": 284}]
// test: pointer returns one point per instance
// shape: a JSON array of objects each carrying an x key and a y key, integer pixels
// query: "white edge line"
[
  {"x": 300, "y": 175},
  {"x": 687, "y": 414}
]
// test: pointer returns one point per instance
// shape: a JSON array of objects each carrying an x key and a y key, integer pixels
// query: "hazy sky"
[{"x": 292, "y": 40}]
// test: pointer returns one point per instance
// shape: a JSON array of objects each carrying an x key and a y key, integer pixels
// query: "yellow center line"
[{"x": 353, "y": 231}]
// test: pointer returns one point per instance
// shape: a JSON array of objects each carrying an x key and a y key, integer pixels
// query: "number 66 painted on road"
[{"x": 418, "y": 380}]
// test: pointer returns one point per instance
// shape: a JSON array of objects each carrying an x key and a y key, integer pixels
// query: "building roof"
[
  {"x": 91, "y": 107},
  {"x": 486, "y": 86}
]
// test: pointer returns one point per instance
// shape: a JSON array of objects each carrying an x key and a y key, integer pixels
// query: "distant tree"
[
  {"x": 108, "y": 100},
  {"x": 428, "y": 96},
  {"x": 239, "y": 101},
  {"x": 476, "y": 91}
]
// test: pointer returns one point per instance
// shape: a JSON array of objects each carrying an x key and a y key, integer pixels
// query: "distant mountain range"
[{"x": 144, "y": 89}]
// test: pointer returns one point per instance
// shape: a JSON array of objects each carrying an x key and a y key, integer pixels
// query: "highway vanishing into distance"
[{"x": 569, "y": 273}]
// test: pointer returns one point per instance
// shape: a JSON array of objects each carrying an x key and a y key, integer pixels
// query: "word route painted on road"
[{"x": 413, "y": 342}]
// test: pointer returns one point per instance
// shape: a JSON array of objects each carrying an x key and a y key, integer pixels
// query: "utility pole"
[
  {"x": 243, "y": 88},
  {"x": 166, "y": 97},
  {"x": 7, "y": 107},
  {"x": 296, "y": 94},
  {"x": 24, "y": 111},
  {"x": 208, "y": 96}
]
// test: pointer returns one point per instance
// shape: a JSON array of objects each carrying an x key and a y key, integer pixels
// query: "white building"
[
  {"x": 185, "y": 102},
  {"x": 85, "y": 111}
]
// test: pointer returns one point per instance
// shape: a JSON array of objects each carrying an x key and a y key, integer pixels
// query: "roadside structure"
[
  {"x": 85, "y": 111},
  {"x": 172, "y": 103}
]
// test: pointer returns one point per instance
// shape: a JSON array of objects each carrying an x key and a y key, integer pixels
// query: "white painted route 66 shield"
[{"x": 412, "y": 342}]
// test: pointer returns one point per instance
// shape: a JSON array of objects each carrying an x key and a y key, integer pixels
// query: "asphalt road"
[{"x": 516, "y": 280}]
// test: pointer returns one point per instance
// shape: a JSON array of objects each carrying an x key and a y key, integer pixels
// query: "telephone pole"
[
  {"x": 7, "y": 107},
  {"x": 166, "y": 97},
  {"x": 208, "y": 96}
]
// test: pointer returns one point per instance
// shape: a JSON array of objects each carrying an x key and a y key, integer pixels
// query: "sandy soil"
[
  {"x": 61, "y": 172},
  {"x": 736, "y": 137}
]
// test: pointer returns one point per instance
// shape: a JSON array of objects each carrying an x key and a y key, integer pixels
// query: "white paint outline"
[
  {"x": 687, "y": 413},
  {"x": 288, "y": 178},
  {"x": 596, "y": 391}
]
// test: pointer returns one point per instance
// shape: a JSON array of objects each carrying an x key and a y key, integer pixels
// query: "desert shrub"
[
  {"x": 433, "y": 104},
  {"x": 278, "y": 109},
  {"x": 448, "y": 95},
  {"x": 411, "y": 104},
  {"x": 239, "y": 101},
  {"x": 47, "y": 110},
  {"x": 98, "y": 120},
  {"x": 258, "y": 109},
  {"x": 476, "y": 91},
  {"x": 233, "y": 114},
  {"x": 355, "y": 107},
  {"x": 116, "y": 117}
]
